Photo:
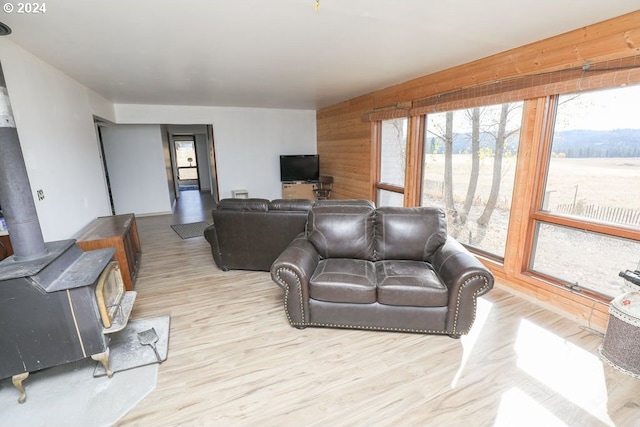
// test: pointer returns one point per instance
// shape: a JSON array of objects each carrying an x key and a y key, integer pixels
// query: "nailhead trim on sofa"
[{"x": 428, "y": 331}]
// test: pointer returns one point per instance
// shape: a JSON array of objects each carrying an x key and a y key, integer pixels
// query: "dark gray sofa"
[{"x": 249, "y": 234}]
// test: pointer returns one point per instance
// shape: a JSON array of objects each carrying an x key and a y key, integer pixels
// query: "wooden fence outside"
[{"x": 615, "y": 215}]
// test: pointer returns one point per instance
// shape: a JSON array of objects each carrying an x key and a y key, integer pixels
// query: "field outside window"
[
  {"x": 594, "y": 168},
  {"x": 584, "y": 259}
]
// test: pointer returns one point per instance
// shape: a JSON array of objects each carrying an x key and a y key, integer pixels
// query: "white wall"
[
  {"x": 54, "y": 118},
  {"x": 136, "y": 161},
  {"x": 168, "y": 167},
  {"x": 248, "y": 141}
]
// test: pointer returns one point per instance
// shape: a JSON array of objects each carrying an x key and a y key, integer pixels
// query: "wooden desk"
[
  {"x": 298, "y": 190},
  {"x": 119, "y": 232}
]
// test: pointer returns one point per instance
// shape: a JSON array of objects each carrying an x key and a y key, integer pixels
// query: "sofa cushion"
[
  {"x": 345, "y": 202},
  {"x": 409, "y": 233},
  {"x": 290, "y": 205},
  {"x": 342, "y": 231},
  {"x": 344, "y": 280},
  {"x": 243, "y": 204},
  {"x": 411, "y": 283}
]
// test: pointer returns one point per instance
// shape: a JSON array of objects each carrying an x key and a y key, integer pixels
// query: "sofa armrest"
[
  {"x": 211, "y": 235},
  {"x": 292, "y": 271},
  {"x": 466, "y": 278}
]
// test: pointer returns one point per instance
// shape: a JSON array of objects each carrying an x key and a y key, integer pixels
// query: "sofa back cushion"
[
  {"x": 246, "y": 235},
  {"x": 409, "y": 233},
  {"x": 243, "y": 204},
  {"x": 290, "y": 205},
  {"x": 343, "y": 202},
  {"x": 342, "y": 231}
]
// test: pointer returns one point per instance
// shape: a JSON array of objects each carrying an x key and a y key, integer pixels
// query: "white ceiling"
[{"x": 281, "y": 53}]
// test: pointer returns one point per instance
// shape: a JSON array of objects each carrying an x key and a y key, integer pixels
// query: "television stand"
[{"x": 298, "y": 190}]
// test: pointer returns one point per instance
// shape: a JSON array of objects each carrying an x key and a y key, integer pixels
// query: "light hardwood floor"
[{"x": 234, "y": 359}]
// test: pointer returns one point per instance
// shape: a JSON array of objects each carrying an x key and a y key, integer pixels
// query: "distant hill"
[
  {"x": 594, "y": 143},
  {"x": 573, "y": 143}
]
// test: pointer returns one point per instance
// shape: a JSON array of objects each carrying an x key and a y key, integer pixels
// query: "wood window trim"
[
  {"x": 534, "y": 114},
  {"x": 587, "y": 225},
  {"x": 390, "y": 187},
  {"x": 414, "y": 160},
  {"x": 375, "y": 158}
]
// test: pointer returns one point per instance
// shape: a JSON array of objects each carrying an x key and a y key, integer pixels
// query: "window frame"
[
  {"x": 377, "y": 159},
  {"x": 539, "y": 216}
]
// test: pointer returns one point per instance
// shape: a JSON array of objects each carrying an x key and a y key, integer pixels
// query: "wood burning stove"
[
  {"x": 59, "y": 310},
  {"x": 58, "y": 304}
]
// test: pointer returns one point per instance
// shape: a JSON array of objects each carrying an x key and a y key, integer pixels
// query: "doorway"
[
  {"x": 99, "y": 125},
  {"x": 187, "y": 163},
  {"x": 192, "y": 158}
]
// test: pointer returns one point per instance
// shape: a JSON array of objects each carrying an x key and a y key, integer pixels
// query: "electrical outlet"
[{"x": 40, "y": 194}]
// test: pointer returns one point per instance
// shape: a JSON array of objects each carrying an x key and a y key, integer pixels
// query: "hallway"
[{"x": 193, "y": 206}]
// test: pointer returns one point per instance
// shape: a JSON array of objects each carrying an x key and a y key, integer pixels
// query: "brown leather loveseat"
[
  {"x": 249, "y": 234},
  {"x": 392, "y": 269}
]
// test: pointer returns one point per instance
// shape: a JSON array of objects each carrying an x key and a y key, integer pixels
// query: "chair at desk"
[{"x": 323, "y": 187}]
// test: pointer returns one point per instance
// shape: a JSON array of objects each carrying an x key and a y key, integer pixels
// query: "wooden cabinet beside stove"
[
  {"x": 5, "y": 246},
  {"x": 119, "y": 232}
]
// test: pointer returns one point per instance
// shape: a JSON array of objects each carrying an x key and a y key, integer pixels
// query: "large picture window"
[
  {"x": 542, "y": 186},
  {"x": 588, "y": 220},
  {"x": 469, "y": 163}
]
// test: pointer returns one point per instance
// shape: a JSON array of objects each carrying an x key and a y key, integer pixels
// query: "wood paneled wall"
[
  {"x": 345, "y": 141},
  {"x": 344, "y": 146}
]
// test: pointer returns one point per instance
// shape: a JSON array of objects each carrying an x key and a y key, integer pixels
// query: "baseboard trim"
[{"x": 154, "y": 213}]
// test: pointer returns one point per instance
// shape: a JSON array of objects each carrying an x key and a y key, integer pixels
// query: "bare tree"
[
  {"x": 448, "y": 165},
  {"x": 501, "y": 137},
  {"x": 401, "y": 146},
  {"x": 474, "y": 116}
]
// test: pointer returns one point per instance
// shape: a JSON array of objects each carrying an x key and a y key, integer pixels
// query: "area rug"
[
  {"x": 69, "y": 396},
  {"x": 192, "y": 229},
  {"x": 188, "y": 187}
]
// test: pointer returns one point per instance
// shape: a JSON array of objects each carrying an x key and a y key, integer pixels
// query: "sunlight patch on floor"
[
  {"x": 519, "y": 409},
  {"x": 468, "y": 341},
  {"x": 572, "y": 372}
]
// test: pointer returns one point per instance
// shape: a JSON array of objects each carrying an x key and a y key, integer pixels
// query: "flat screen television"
[{"x": 301, "y": 167}]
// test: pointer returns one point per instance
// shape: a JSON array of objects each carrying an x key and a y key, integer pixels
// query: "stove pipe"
[{"x": 16, "y": 198}]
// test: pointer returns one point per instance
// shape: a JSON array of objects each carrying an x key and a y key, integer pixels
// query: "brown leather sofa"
[
  {"x": 392, "y": 269},
  {"x": 249, "y": 234}
]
